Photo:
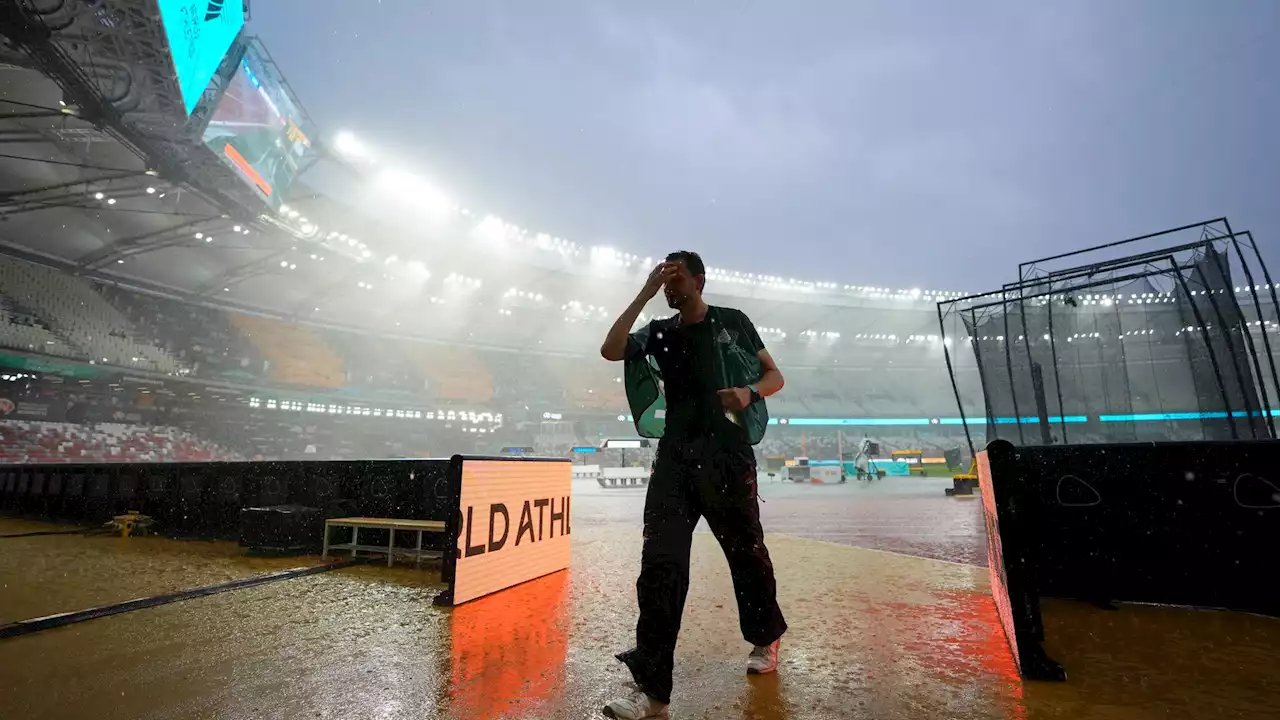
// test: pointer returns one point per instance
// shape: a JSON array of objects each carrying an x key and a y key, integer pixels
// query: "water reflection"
[
  {"x": 508, "y": 650},
  {"x": 763, "y": 699}
]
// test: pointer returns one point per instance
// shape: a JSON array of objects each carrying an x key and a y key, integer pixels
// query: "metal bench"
[{"x": 391, "y": 525}]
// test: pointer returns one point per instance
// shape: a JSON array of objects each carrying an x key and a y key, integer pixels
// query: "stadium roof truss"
[
  {"x": 103, "y": 175},
  {"x": 100, "y": 166}
]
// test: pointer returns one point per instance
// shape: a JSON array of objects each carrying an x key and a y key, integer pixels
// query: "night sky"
[{"x": 929, "y": 144}]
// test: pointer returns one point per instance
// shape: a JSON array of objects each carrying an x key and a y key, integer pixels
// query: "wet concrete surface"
[
  {"x": 1159, "y": 662},
  {"x": 14, "y": 526},
  {"x": 52, "y": 574},
  {"x": 873, "y": 635}
]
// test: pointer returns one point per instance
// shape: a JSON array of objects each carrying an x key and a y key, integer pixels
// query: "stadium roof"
[
  {"x": 79, "y": 194},
  {"x": 75, "y": 196}
]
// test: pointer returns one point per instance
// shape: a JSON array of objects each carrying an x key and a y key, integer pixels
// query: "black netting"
[{"x": 1157, "y": 346}]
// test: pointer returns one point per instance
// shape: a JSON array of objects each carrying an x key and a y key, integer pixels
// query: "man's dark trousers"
[{"x": 693, "y": 479}]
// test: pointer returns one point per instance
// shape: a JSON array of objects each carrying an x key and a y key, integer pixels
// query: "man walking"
[{"x": 714, "y": 372}]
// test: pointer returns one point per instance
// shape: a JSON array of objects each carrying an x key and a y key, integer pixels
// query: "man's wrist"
[{"x": 755, "y": 394}]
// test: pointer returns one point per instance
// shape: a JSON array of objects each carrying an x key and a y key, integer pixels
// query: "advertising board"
[
  {"x": 512, "y": 523},
  {"x": 995, "y": 555},
  {"x": 1014, "y": 524}
]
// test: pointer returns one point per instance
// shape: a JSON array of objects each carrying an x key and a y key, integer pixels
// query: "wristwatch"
[{"x": 755, "y": 394}]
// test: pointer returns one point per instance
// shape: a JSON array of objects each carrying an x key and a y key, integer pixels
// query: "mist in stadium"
[{"x": 407, "y": 359}]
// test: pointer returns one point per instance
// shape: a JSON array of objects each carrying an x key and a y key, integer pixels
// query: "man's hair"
[{"x": 693, "y": 261}]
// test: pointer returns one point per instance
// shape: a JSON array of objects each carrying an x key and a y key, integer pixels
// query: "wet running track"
[
  {"x": 912, "y": 516},
  {"x": 911, "y": 633}
]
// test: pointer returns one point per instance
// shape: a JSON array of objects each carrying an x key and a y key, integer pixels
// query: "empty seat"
[{"x": 73, "y": 314}]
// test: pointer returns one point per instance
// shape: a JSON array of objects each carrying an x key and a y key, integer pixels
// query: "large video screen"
[
  {"x": 258, "y": 129},
  {"x": 200, "y": 32}
]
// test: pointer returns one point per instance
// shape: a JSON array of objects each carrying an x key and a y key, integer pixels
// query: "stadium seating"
[
  {"x": 70, "y": 308},
  {"x": 378, "y": 363},
  {"x": 198, "y": 336},
  {"x": 46, "y": 442},
  {"x": 373, "y": 372},
  {"x": 23, "y": 330},
  {"x": 590, "y": 384},
  {"x": 295, "y": 354},
  {"x": 454, "y": 373}
]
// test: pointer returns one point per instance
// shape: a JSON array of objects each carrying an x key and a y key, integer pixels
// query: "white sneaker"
[
  {"x": 763, "y": 659},
  {"x": 636, "y": 706}
]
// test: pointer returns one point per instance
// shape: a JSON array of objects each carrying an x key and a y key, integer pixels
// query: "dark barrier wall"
[
  {"x": 1193, "y": 523},
  {"x": 205, "y": 499}
]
